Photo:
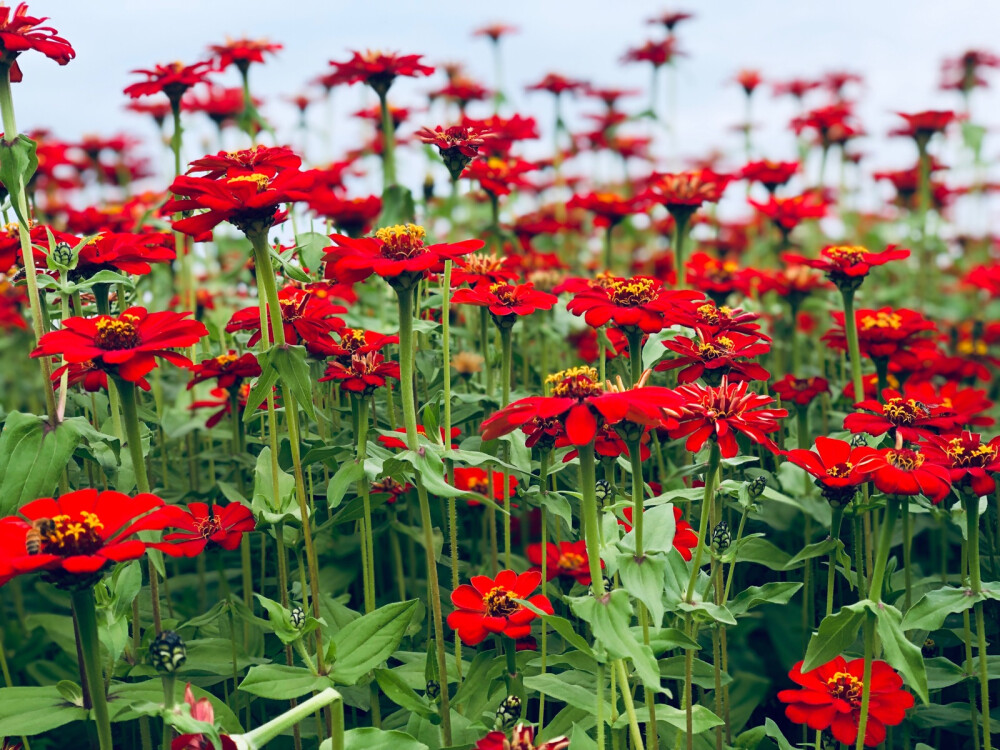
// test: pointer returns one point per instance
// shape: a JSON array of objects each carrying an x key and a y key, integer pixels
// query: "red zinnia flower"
[
  {"x": 474, "y": 479},
  {"x": 353, "y": 216},
  {"x": 925, "y": 124},
  {"x": 834, "y": 466},
  {"x": 686, "y": 191},
  {"x": 568, "y": 559},
  {"x": 788, "y": 213},
  {"x": 556, "y": 84},
  {"x": 480, "y": 268},
  {"x": 397, "y": 254},
  {"x": 907, "y": 472},
  {"x": 306, "y": 317},
  {"x": 379, "y": 69},
  {"x": 970, "y": 462},
  {"x": 498, "y": 176},
  {"x": 400, "y": 443},
  {"x": 848, "y": 262},
  {"x": 705, "y": 315},
  {"x": 609, "y": 208},
  {"x": 906, "y": 417},
  {"x": 713, "y": 356},
  {"x": 881, "y": 333},
  {"x": 800, "y": 391},
  {"x": 632, "y": 304},
  {"x": 458, "y": 144},
  {"x": 830, "y": 698},
  {"x": 487, "y": 606},
  {"x": 89, "y": 375},
  {"x": 199, "y": 524},
  {"x": 522, "y": 737},
  {"x": 495, "y": 30},
  {"x": 267, "y": 160},
  {"x": 962, "y": 406},
  {"x": 770, "y": 174},
  {"x": 172, "y": 79},
  {"x": 352, "y": 341},
  {"x": 720, "y": 412},
  {"x": 229, "y": 370},
  {"x": 126, "y": 345},
  {"x": 128, "y": 253},
  {"x": 201, "y": 710},
  {"x": 20, "y": 32},
  {"x": 242, "y": 52},
  {"x": 749, "y": 80},
  {"x": 506, "y": 302},
  {"x": 685, "y": 538},
  {"x": 583, "y": 405},
  {"x": 79, "y": 534},
  {"x": 363, "y": 374}
]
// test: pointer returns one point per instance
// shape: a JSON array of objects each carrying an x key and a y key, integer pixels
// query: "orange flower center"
[
  {"x": 478, "y": 263},
  {"x": 500, "y": 603},
  {"x": 710, "y": 314},
  {"x": 503, "y": 292},
  {"x": 66, "y": 537},
  {"x": 720, "y": 347},
  {"x": 260, "y": 180},
  {"x": 632, "y": 292},
  {"x": 905, "y": 459},
  {"x": 881, "y": 320},
  {"x": 904, "y": 412},
  {"x": 401, "y": 241},
  {"x": 480, "y": 485},
  {"x": 571, "y": 561},
  {"x": 605, "y": 280},
  {"x": 208, "y": 526},
  {"x": 847, "y": 254},
  {"x": 352, "y": 338},
  {"x": 972, "y": 347},
  {"x": 576, "y": 382},
  {"x": 963, "y": 454},
  {"x": 847, "y": 687},
  {"x": 840, "y": 471},
  {"x": 226, "y": 359},
  {"x": 114, "y": 334}
]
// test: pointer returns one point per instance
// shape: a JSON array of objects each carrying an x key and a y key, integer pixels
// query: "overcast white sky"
[{"x": 897, "y": 44}]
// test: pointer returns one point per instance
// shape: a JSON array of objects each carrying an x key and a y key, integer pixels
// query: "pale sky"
[{"x": 896, "y": 44}]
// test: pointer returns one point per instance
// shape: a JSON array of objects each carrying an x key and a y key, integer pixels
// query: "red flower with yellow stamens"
[
  {"x": 581, "y": 402},
  {"x": 970, "y": 462},
  {"x": 125, "y": 346},
  {"x": 474, "y": 479},
  {"x": 800, "y": 391},
  {"x": 397, "y": 254},
  {"x": 267, "y": 160},
  {"x": 716, "y": 278},
  {"x": 788, "y": 213},
  {"x": 250, "y": 202},
  {"x": 834, "y": 466},
  {"x": 963, "y": 407},
  {"x": 458, "y": 144},
  {"x": 480, "y": 268},
  {"x": 363, "y": 374},
  {"x": 487, "y": 606},
  {"x": 379, "y": 69},
  {"x": 719, "y": 412},
  {"x": 172, "y": 79},
  {"x": 881, "y": 333},
  {"x": 685, "y": 537},
  {"x": 906, "y": 417},
  {"x": 352, "y": 341},
  {"x": 843, "y": 263},
  {"x": 705, "y": 315},
  {"x": 229, "y": 370},
  {"x": 20, "y": 32},
  {"x": 568, "y": 559},
  {"x": 686, "y": 191},
  {"x": 770, "y": 174},
  {"x": 89, "y": 375},
  {"x": 609, "y": 209},
  {"x": 902, "y": 471},
  {"x": 201, "y": 524},
  {"x": 639, "y": 303},
  {"x": 81, "y": 533},
  {"x": 125, "y": 252},
  {"x": 830, "y": 697},
  {"x": 506, "y": 302},
  {"x": 242, "y": 52},
  {"x": 306, "y": 317},
  {"x": 714, "y": 356}
]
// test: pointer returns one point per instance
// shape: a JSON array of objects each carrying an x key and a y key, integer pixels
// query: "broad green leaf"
[
  {"x": 930, "y": 612},
  {"x": 644, "y": 579},
  {"x": 369, "y": 738},
  {"x": 580, "y": 740},
  {"x": 570, "y": 687},
  {"x": 262, "y": 386},
  {"x": 836, "y": 633},
  {"x": 401, "y": 694},
  {"x": 397, "y": 206},
  {"x": 34, "y": 710},
  {"x": 775, "y": 734},
  {"x": 370, "y": 640},
  {"x": 813, "y": 550},
  {"x": 349, "y": 473},
  {"x": 769, "y": 593},
  {"x": 32, "y": 458},
  {"x": 278, "y": 681},
  {"x": 264, "y": 503},
  {"x": 18, "y": 163},
  {"x": 702, "y": 718},
  {"x": 899, "y": 651},
  {"x": 564, "y": 628},
  {"x": 658, "y": 530},
  {"x": 293, "y": 370}
]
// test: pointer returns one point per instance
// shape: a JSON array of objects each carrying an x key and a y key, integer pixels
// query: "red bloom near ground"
[
  {"x": 505, "y": 300},
  {"x": 229, "y": 370},
  {"x": 970, "y": 462},
  {"x": 906, "y": 417},
  {"x": 834, "y": 465},
  {"x": 474, "y": 479},
  {"x": 20, "y": 32},
  {"x": 125, "y": 346},
  {"x": 720, "y": 412},
  {"x": 78, "y": 534},
  {"x": 830, "y": 698},
  {"x": 522, "y": 737},
  {"x": 800, "y": 391},
  {"x": 907, "y": 472},
  {"x": 201, "y": 524},
  {"x": 486, "y": 606},
  {"x": 567, "y": 559}
]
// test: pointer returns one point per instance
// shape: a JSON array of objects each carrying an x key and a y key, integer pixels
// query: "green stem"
[
  {"x": 680, "y": 239},
  {"x": 971, "y": 502},
  {"x": 363, "y": 490},
  {"x": 388, "y": 143},
  {"x": 484, "y": 342},
  {"x": 405, "y": 301},
  {"x": 853, "y": 349},
  {"x": 591, "y": 524},
  {"x": 638, "y": 510},
  {"x": 633, "y": 722},
  {"x": 907, "y": 541},
  {"x": 634, "y": 336},
  {"x": 884, "y": 543},
  {"x": 714, "y": 459},
  {"x": 506, "y": 355},
  {"x": 266, "y": 732},
  {"x": 866, "y": 679},
  {"x": 838, "y": 516},
  {"x": 86, "y": 616},
  {"x": 608, "y": 247},
  {"x": 543, "y": 477}
]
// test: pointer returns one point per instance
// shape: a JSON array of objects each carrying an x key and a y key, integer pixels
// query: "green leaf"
[
  {"x": 930, "y": 612},
  {"x": 775, "y": 734},
  {"x": 293, "y": 369},
  {"x": 580, "y": 740},
  {"x": 261, "y": 388},
  {"x": 644, "y": 579},
  {"x": 813, "y": 550},
  {"x": 34, "y": 710},
  {"x": 573, "y": 687},
  {"x": 264, "y": 503},
  {"x": 564, "y": 628},
  {"x": 401, "y": 694},
  {"x": 281, "y": 682},
  {"x": 32, "y": 458},
  {"x": 349, "y": 473},
  {"x": 369, "y": 738},
  {"x": 658, "y": 530},
  {"x": 769, "y": 593},
  {"x": 836, "y": 633},
  {"x": 702, "y": 718},
  {"x": 899, "y": 651},
  {"x": 610, "y": 619},
  {"x": 18, "y": 163},
  {"x": 311, "y": 248},
  {"x": 370, "y": 640},
  {"x": 397, "y": 206}
]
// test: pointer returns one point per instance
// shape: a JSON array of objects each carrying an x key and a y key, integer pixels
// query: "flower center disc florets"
[
  {"x": 226, "y": 359},
  {"x": 121, "y": 333},
  {"x": 962, "y": 453},
  {"x": 401, "y": 241},
  {"x": 503, "y": 292},
  {"x": 720, "y": 347},
  {"x": 841, "y": 470},
  {"x": 632, "y": 292},
  {"x": 570, "y": 561},
  {"x": 576, "y": 382},
  {"x": 482, "y": 264},
  {"x": 904, "y": 412},
  {"x": 208, "y": 526},
  {"x": 905, "y": 459},
  {"x": 66, "y": 537},
  {"x": 500, "y": 603},
  {"x": 847, "y": 255},
  {"x": 480, "y": 485},
  {"x": 352, "y": 339},
  {"x": 847, "y": 687},
  {"x": 882, "y": 320},
  {"x": 261, "y": 180}
]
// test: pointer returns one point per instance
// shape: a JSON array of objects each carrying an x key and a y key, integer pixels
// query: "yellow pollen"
[
  {"x": 882, "y": 320},
  {"x": 904, "y": 412},
  {"x": 500, "y": 603},
  {"x": 226, "y": 359},
  {"x": 576, "y": 382},
  {"x": 906, "y": 460},
  {"x": 847, "y": 687},
  {"x": 848, "y": 254},
  {"x": 401, "y": 240},
  {"x": 570, "y": 561},
  {"x": 117, "y": 333},
  {"x": 632, "y": 292},
  {"x": 261, "y": 180},
  {"x": 839, "y": 471}
]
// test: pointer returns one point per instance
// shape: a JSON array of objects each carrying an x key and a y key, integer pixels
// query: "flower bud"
[
  {"x": 433, "y": 689},
  {"x": 756, "y": 486},
  {"x": 721, "y": 538},
  {"x": 508, "y": 713},
  {"x": 167, "y": 652},
  {"x": 298, "y": 617},
  {"x": 603, "y": 489}
]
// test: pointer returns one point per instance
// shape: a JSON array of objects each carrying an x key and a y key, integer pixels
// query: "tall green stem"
[
  {"x": 638, "y": 509},
  {"x": 608, "y": 247},
  {"x": 853, "y": 349},
  {"x": 634, "y": 337},
  {"x": 263, "y": 734},
  {"x": 405, "y": 301},
  {"x": 971, "y": 502},
  {"x": 680, "y": 239},
  {"x": 364, "y": 491},
  {"x": 714, "y": 459},
  {"x": 591, "y": 523},
  {"x": 86, "y": 617},
  {"x": 506, "y": 355},
  {"x": 388, "y": 143}
]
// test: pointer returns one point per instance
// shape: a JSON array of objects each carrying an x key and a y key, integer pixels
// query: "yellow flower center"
[
  {"x": 720, "y": 347},
  {"x": 576, "y": 382},
  {"x": 906, "y": 460},
  {"x": 904, "y": 412},
  {"x": 962, "y": 454},
  {"x": 65, "y": 536},
  {"x": 226, "y": 359},
  {"x": 882, "y": 320},
  {"x": 120, "y": 333},
  {"x": 632, "y": 292},
  {"x": 840, "y": 471},
  {"x": 847, "y": 254},
  {"x": 570, "y": 561},
  {"x": 503, "y": 292},
  {"x": 847, "y": 687},
  {"x": 401, "y": 240},
  {"x": 260, "y": 180},
  {"x": 500, "y": 603}
]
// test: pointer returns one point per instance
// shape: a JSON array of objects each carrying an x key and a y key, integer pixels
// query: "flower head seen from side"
[
  {"x": 474, "y": 479},
  {"x": 126, "y": 345},
  {"x": 199, "y": 525},
  {"x": 567, "y": 560},
  {"x": 242, "y": 52},
  {"x": 487, "y": 606},
  {"x": 458, "y": 144},
  {"x": 609, "y": 209},
  {"x": 847, "y": 265},
  {"x": 73, "y": 538},
  {"x": 903, "y": 471},
  {"x": 834, "y": 466},
  {"x": 506, "y": 302},
  {"x": 971, "y": 463},
  {"x": 20, "y": 32},
  {"x": 800, "y": 391},
  {"x": 829, "y": 698},
  {"x": 172, "y": 79},
  {"x": 722, "y": 411},
  {"x": 379, "y": 69}
]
